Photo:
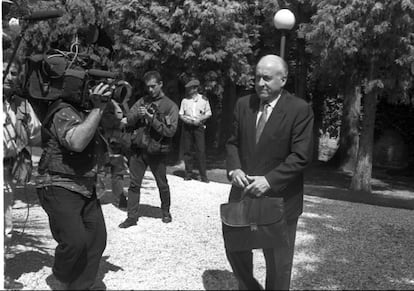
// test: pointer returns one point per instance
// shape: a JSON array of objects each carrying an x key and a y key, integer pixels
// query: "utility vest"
[{"x": 56, "y": 159}]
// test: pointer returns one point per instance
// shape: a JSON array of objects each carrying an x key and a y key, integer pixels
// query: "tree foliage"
[
  {"x": 367, "y": 44},
  {"x": 347, "y": 36},
  {"x": 186, "y": 37},
  {"x": 189, "y": 38}
]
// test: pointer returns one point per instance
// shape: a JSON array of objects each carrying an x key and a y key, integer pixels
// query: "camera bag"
[
  {"x": 73, "y": 85},
  {"x": 49, "y": 76},
  {"x": 44, "y": 76}
]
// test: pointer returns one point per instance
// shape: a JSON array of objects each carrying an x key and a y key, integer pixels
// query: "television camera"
[
  {"x": 58, "y": 74},
  {"x": 69, "y": 75}
]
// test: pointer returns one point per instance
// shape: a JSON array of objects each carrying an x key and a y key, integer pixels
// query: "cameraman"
[
  {"x": 72, "y": 147},
  {"x": 154, "y": 120}
]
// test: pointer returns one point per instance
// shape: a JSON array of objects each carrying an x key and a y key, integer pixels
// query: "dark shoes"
[
  {"x": 122, "y": 202},
  {"x": 205, "y": 180},
  {"x": 166, "y": 216},
  {"x": 10, "y": 283},
  {"x": 187, "y": 178},
  {"x": 128, "y": 222}
]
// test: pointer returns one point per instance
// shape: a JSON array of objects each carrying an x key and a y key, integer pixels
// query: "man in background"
[
  {"x": 153, "y": 119},
  {"x": 21, "y": 130},
  {"x": 111, "y": 124},
  {"x": 194, "y": 111}
]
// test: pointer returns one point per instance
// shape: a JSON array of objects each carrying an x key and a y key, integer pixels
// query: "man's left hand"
[{"x": 257, "y": 187}]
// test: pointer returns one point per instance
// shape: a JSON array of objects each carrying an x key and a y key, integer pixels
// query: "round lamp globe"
[{"x": 284, "y": 19}]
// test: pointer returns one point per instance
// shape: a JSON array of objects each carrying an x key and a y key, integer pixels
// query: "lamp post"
[{"x": 283, "y": 20}]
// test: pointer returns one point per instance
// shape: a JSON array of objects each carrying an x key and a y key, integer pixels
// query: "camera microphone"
[{"x": 43, "y": 15}]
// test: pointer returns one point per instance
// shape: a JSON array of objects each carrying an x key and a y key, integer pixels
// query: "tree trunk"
[
  {"x": 349, "y": 135},
  {"x": 318, "y": 111},
  {"x": 229, "y": 100},
  {"x": 361, "y": 181},
  {"x": 301, "y": 68}
]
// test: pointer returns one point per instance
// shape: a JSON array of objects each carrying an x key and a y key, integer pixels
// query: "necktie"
[{"x": 262, "y": 121}]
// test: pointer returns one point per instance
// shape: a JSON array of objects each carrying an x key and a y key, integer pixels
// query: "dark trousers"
[
  {"x": 194, "y": 135},
  {"x": 118, "y": 170},
  {"x": 77, "y": 224},
  {"x": 138, "y": 163},
  {"x": 278, "y": 265}
]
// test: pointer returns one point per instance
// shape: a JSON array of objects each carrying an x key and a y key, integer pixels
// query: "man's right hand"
[
  {"x": 98, "y": 93},
  {"x": 239, "y": 178}
]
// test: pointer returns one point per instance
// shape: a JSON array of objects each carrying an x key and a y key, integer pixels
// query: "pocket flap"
[{"x": 252, "y": 211}]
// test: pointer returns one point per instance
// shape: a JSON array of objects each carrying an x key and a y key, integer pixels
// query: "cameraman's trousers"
[
  {"x": 138, "y": 163},
  {"x": 77, "y": 224}
]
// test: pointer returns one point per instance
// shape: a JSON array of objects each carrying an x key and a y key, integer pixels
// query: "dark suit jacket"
[{"x": 282, "y": 153}]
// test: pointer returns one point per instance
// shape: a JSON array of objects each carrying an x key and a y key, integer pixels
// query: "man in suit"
[{"x": 267, "y": 152}]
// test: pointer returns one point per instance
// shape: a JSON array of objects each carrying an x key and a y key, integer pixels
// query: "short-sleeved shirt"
[
  {"x": 64, "y": 120},
  {"x": 195, "y": 107},
  {"x": 18, "y": 134}
]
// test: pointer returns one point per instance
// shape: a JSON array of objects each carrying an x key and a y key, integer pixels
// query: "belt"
[{"x": 69, "y": 176}]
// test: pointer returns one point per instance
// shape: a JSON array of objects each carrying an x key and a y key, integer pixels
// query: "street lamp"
[{"x": 283, "y": 20}]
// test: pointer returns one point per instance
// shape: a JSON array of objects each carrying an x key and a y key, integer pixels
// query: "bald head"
[
  {"x": 274, "y": 61},
  {"x": 271, "y": 76}
]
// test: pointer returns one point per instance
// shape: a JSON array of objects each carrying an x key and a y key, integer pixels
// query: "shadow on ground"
[
  {"x": 219, "y": 280},
  {"x": 389, "y": 191},
  {"x": 34, "y": 260},
  {"x": 373, "y": 254},
  {"x": 145, "y": 210},
  {"x": 104, "y": 268},
  {"x": 149, "y": 211},
  {"x": 27, "y": 262}
]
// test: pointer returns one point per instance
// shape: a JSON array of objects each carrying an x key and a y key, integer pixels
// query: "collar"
[
  {"x": 149, "y": 99},
  {"x": 273, "y": 102},
  {"x": 196, "y": 98}
]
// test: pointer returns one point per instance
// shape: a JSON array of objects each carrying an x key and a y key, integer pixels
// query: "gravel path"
[{"x": 340, "y": 245}]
